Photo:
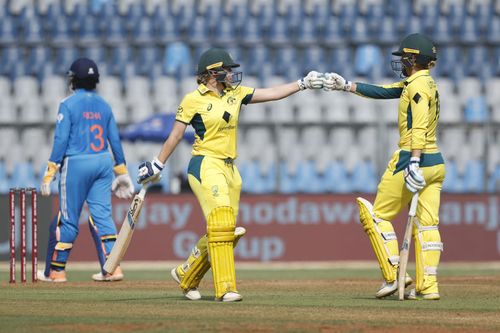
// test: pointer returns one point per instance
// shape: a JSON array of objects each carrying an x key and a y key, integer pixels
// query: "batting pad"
[
  {"x": 196, "y": 266},
  {"x": 221, "y": 226},
  {"x": 192, "y": 271},
  {"x": 383, "y": 239},
  {"x": 428, "y": 249}
]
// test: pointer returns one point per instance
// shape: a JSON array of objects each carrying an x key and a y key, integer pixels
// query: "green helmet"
[
  {"x": 215, "y": 58},
  {"x": 420, "y": 45}
]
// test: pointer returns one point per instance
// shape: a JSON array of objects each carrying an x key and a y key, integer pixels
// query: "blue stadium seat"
[
  {"x": 255, "y": 181},
  {"x": 453, "y": 182},
  {"x": 474, "y": 176},
  {"x": 429, "y": 16},
  {"x": 374, "y": 18},
  {"x": 238, "y": 15},
  {"x": 254, "y": 59},
  {"x": 359, "y": 31},
  {"x": 387, "y": 33},
  {"x": 185, "y": 17},
  {"x": 341, "y": 60},
  {"x": 441, "y": 32},
  {"x": 32, "y": 30},
  {"x": 309, "y": 180},
  {"x": 213, "y": 15},
  {"x": 456, "y": 17},
  {"x": 279, "y": 32},
  {"x": 364, "y": 177},
  {"x": 476, "y": 110},
  {"x": 307, "y": 33},
  {"x": 4, "y": 180},
  {"x": 23, "y": 175},
  {"x": 468, "y": 31},
  {"x": 96, "y": 53},
  {"x": 38, "y": 58},
  {"x": 449, "y": 59},
  {"x": 8, "y": 30},
  {"x": 177, "y": 60},
  {"x": 483, "y": 14},
  {"x": 493, "y": 32},
  {"x": 284, "y": 58},
  {"x": 332, "y": 35},
  {"x": 288, "y": 182},
  {"x": 144, "y": 31},
  {"x": 224, "y": 33},
  {"x": 146, "y": 58},
  {"x": 337, "y": 179},
  {"x": 136, "y": 12},
  {"x": 114, "y": 32},
  {"x": 313, "y": 58},
  {"x": 320, "y": 15},
  {"x": 368, "y": 58},
  {"x": 60, "y": 31},
  {"x": 348, "y": 15},
  {"x": 120, "y": 57},
  {"x": 64, "y": 56},
  {"x": 476, "y": 59},
  {"x": 266, "y": 16},
  {"x": 9, "y": 58},
  {"x": 166, "y": 26},
  {"x": 495, "y": 64},
  {"x": 493, "y": 180},
  {"x": 251, "y": 32},
  {"x": 87, "y": 30},
  {"x": 198, "y": 32}
]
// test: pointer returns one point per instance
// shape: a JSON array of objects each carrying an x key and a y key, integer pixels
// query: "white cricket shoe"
[
  {"x": 414, "y": 296},
  {"x": 192, "y": 294},
  {"x": 116, "y": 276},
  {"x": 230, "y": 297},
  {"x": 55, "y": 276},
  {"x": 389, "y": 288}
]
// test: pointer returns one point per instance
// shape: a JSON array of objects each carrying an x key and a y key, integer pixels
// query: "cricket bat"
[
  {"x": 123, "y": 240},
  {"x": 405, "y": 247}
]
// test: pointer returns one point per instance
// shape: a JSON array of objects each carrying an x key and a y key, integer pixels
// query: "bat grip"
[{"x": 413, "y": 205}]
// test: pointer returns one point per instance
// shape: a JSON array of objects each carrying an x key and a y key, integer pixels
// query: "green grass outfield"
[{"x": 335, "y": 297}]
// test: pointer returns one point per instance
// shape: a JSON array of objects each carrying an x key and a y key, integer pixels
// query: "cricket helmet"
[{"x": 420, "y": 45}]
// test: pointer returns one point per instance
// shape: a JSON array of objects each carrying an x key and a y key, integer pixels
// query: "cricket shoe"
[
  {"x": 54, "y": 276},
  {"x": 230, "y": 297},
  {"x": 116, "y": 276},
  {"x": 414, "y": 296},
  {"x": 192, "y": 294},
  {"x": 389, "y": 288}
]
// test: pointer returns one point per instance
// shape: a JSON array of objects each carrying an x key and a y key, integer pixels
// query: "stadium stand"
[{"x": 147, "y": 51}]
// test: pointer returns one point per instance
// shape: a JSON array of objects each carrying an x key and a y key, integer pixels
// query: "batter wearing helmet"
[
  {"x": 213, "y": 110},
  {"x": 417, "y": 166}
]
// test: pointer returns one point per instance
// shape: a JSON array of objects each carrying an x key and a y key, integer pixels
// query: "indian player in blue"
[{"x": 85, "y": 125}]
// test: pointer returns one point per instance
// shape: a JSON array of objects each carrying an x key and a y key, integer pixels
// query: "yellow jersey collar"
[
  {"x": 417, "y": 74},
  {"x": 203, "y": 89}
]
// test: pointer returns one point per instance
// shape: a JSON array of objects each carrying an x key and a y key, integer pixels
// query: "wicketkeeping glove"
[
  {"x": 414, "y": 177},
  {"x": 334, "y": 81},
  {"x": 313, "y": 80},
  {"x": 122, "y": 184},
  {"x": 150, "y": 171},
  {"x": 48, "y": 177}
]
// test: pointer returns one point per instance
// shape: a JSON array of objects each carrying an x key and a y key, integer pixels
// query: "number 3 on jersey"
[{"x": 97, "y": 131}]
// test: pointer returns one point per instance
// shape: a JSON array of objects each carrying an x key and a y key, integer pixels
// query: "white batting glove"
[
  {"x": 334, "y": 81},
  {"x": 150, "y": 171},
  {"x": 123, "y": 187},
  {"x": 414, "y": 177},
  {"x": 313, "y": 80}
]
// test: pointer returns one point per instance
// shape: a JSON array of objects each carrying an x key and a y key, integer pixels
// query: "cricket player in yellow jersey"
[
  {"x": 417, "y": 166},
  {"x": 213, "y": 110}
]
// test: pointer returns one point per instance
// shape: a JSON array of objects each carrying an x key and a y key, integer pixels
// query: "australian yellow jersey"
[
  {"x": 214, "y": 118},
  {"x": 418, "y": 111}
]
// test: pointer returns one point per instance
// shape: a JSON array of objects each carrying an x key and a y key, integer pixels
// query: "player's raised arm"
[{"x": 313, "y": 80}]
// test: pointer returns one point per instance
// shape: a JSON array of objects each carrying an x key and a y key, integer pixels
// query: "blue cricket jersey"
[{"x": 85, "y": 125}]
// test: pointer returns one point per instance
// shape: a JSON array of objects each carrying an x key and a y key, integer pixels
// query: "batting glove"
[
  {"x": 414, "y": 178},
  {"x": 313, "y": 80},
  {"x": 334, "y": 81},
  {"x": 150, "y": 171},
  {"x": 48, "y": 177},
  {"x": 122, "y": 186}
]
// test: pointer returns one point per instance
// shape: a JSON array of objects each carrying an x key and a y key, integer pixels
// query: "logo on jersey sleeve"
[{"x": 60, "y": 117}]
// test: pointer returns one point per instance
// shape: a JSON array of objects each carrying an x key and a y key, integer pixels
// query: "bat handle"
[
  {"x": 142, "y": 192},
  {"x": 413, "y": 205}
]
